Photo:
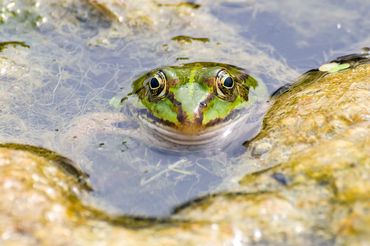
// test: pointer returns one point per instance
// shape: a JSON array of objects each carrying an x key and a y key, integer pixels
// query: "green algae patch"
[
  {"x": 112, "y": 9},
  {"x": 4, "y": 45},
  {"x": 116, "y": 102},
  {"x": 189, "y": 39},
  {"x": 181, "y": 4},
  {"x": 334, "y": 67}
]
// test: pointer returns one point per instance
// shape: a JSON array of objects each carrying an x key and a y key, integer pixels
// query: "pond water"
[{"x": 56, "y": 93}]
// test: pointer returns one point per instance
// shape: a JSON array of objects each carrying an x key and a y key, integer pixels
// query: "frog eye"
[
  {"x": 157, "y": 84},
  {"x": 228, "y": 82},
  {"x": 224, "y": 85},
  {"x": 154, "y": 83}
]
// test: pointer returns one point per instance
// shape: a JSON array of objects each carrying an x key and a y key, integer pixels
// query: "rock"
[{"x": 320, "y": 132}]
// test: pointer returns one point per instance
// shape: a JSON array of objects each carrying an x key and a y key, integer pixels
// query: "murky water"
[{"x": 56, "y": 93}]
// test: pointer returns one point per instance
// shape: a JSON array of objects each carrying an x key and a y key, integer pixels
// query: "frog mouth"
[
  {"x": 165, "y": 136},
  {"x": 215, "y": 135}
]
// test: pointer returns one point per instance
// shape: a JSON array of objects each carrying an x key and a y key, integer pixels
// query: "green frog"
[
  {"x": 194, "y": 105},
  {"x": 180, "y": 135}
]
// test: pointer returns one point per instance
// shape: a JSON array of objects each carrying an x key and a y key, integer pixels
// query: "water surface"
[{"x": 53, "y": 92}]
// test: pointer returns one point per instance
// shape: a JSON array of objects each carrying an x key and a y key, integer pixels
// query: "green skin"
[{"x": 193, "y": 97}]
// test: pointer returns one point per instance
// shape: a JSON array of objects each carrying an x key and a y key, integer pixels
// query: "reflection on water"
[{"x": 78, "y": 60}]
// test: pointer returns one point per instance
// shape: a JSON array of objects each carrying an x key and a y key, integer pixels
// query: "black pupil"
[
  {"x": 154, "y": 83},
  {"x": 229, "y": 82}
]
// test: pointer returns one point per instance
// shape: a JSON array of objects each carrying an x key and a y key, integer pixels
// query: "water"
[
  {"x": 304, "y": 34},
  {"x": 55, "y": 94}
]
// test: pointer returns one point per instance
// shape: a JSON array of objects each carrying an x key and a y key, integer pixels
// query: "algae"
[{"x": 4, "y": 45}]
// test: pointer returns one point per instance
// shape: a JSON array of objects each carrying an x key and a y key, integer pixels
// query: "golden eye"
[
  {"x": 157, "y": 84},
  {"x": 224, "y": 85}
]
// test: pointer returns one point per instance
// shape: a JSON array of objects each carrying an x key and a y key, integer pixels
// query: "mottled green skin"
[{"x": 191, "y": 102}]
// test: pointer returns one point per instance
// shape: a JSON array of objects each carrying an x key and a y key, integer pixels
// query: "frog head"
[{"x": 189, "y": 102}]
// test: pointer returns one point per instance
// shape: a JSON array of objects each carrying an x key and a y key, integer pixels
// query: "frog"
[
  {"x": 183, "y": 128},
  {"x": 193, "y": 105}
]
